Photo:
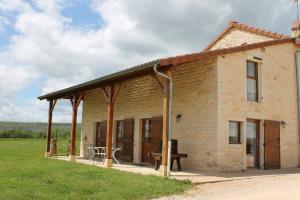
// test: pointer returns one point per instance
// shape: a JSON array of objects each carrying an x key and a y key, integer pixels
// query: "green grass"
[{"x": 26, "y": 174}]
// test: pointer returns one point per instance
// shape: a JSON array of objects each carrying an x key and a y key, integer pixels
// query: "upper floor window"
[{"x": 252, "y": 81}]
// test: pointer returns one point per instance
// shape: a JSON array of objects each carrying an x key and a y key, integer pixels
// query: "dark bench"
[
  {"x": 157, "y": 158},
  {"x": 174, "y": 155}
]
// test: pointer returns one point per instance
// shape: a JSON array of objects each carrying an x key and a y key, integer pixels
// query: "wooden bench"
[{"x": 157, "y": 158}]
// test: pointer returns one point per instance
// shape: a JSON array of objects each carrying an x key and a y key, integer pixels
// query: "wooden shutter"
[{"x": 272, "y": 144}]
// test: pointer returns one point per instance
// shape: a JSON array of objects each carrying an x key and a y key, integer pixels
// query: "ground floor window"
[{"x": 234, "y": 132}]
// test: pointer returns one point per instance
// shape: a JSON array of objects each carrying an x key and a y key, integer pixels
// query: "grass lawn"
[{"x": 26, "y": 174}]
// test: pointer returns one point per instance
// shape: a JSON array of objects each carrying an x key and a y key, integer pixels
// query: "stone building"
[{"x": 234, "y": 105}]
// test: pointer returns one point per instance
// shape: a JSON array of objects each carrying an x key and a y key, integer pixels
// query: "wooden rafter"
[
  {"x": 116, "y": 92},
  {"x": 53, "y": 105}
]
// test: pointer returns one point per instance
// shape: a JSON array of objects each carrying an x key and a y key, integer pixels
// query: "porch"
[
  {"x": 196, "y": 177},
  {"x": 107, "y": 90}
]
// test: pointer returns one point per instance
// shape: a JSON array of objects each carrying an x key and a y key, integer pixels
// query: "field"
[
  {"x": 26, "y": 174},
  {"x": 34, "y": 129}
]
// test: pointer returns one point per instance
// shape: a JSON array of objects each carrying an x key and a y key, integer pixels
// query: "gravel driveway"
[{"x": 276, "y": 187}]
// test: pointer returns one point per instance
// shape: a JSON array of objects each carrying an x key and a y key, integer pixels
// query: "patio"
[{"x": 196, "y": 178}]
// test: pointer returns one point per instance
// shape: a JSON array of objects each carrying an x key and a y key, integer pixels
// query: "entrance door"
[
  {"x": 151, "y": 137},
  {"x": 124, "y": 139},
  {"x": 272, "y": 144},
  {"x": 101, "y": 134},
  {"x": 252, "y": 147}
]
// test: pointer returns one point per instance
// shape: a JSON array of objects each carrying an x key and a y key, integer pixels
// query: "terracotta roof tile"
[{"x": 177, "y": 60}]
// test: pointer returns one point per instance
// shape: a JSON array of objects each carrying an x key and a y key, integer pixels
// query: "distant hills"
[{"x": 33, "y": 129}]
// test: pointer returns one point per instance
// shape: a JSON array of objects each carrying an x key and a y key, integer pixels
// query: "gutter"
[
  {"x": 298, "y": 88},
  {"x": 170, "y": 114}
]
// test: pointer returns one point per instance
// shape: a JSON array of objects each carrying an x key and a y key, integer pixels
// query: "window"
[
  {"x": 147, "y": 130},
  {"x": 252, "y": 81},
  {"x": 234, "y": 132}
]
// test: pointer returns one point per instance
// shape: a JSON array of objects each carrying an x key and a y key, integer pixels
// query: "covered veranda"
[{"x": 110, "y": 86}]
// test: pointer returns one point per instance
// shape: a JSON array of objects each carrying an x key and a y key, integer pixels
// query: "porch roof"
[{"x": 147, "y": 68}]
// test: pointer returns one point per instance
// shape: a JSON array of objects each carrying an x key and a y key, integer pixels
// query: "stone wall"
[
  {"x": 194, "y": 98},
  {"x": 238, "y": 37},
  {"x": 278, "y": 102}
]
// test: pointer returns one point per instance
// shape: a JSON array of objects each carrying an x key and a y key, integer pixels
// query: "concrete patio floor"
[{"x": 196, "y": 178}]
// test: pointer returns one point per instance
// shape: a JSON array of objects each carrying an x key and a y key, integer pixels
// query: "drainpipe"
[
  {"x": 298, "y": 88},
  {"x": 170, "y": 115}
]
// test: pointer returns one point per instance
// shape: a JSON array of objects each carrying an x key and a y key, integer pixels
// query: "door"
[
  {"x": 272, "y": 144},
  {"x": 101, "y": 134},
  {"x": 252, "y": 146},
  {"x": 124, "y": 139},
  {"x": 151, "y": 137}
]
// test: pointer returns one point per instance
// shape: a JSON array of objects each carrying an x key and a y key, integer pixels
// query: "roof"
[
  {"x": 121, "y": 75},
  {"x": 245, "y": 27},
  {"x": 177, "y": 60},
  {"x": 147, "y": 67}
]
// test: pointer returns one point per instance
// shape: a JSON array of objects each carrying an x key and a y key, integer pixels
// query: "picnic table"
[{"x": 158, "y": 156}]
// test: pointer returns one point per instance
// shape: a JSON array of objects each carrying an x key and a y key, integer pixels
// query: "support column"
[
  {"x": 164, "y": 164},
  {"x": 110, "y": 99},
  {"x": 110, "y": 116},
  {"x": 49, "y": 127},
  {"x": 75, "y": 101}
]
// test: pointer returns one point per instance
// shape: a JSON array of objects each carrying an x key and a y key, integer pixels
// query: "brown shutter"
[{"x": 272, "y": 144}]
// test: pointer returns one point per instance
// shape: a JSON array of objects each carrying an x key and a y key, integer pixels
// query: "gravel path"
[{"x": 277, "y": 187}]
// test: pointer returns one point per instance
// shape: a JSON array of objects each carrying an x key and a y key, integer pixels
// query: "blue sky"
[{"x": 53, "y": 44}]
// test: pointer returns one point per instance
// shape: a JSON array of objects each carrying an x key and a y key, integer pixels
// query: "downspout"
[
  {"x": 170, "y": 115},
  {"x": 298, "y": 88}
]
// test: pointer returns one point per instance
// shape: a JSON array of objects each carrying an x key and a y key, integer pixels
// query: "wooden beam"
[
  {"x": 106, "y": 95},
  {"x": 75, "y": 101},
  {"x": 166, "y": 117},
  {"x": 159, "y": 84},
  {"x": 110, "y": 116},
  {"x": 49, "y": 127},
  {"x": 116, "y": 92}
]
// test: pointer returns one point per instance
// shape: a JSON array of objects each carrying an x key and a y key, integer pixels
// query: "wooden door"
[
  {"x": 272, "y": 144},
  {"x": 151, "y": 137},
  {"x": 101, "y": 134},
  {"x": 124, "y": 139}
]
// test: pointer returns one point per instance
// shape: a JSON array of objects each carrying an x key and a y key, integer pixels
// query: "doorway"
[
  {"x": 124, "y": 139},
  {"x": 101, "y": 134},
  {"x": 252, "y": 143},
  {"x": 151, "y": 137}
]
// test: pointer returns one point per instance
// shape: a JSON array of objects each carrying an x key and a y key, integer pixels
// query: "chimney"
[{"x": 296, "y": 29}]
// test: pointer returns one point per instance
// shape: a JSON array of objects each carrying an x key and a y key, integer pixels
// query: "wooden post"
[
  {"x": 75, "y": 101},
  {"x": 164, "y": 163},
  {"x": 49, "y": 127},
  {"x": 110, "y": 99}
]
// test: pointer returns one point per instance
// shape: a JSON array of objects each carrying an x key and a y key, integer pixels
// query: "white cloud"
[{"x": 133, "y": 32}]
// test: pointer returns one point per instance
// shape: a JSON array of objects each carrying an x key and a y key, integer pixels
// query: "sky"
[{"x": 47, "y": 45}]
